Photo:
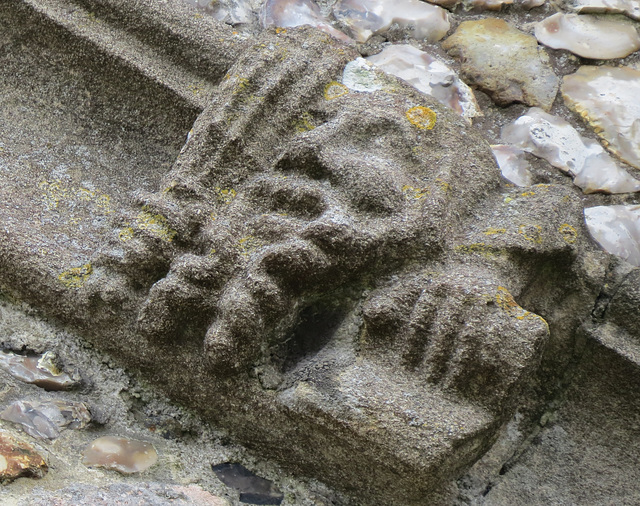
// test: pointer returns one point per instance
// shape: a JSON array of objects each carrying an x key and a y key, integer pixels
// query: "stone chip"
[
  {"x": 121, "y": 454},
  {"x": 45, "y": 419},
  {"x": 39, "y": 370},
  {"x": 19, "y": 459}
]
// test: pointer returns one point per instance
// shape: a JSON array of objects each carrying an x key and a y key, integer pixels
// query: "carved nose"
[
  {"x": 297, "y": 262},
  {"x": 298, "y": 200}
]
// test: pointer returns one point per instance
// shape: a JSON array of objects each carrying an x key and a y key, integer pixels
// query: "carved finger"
[
  {"x": 386, "y": 314},
  {"x": 441, "y": 341},
  {"x": 233, "y": 340},
  {"x": 416, "y": 337},
  {"x": 300, "y": 265}
]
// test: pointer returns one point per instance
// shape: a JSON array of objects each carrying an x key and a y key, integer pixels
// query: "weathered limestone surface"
[{"x": 324, "y": 273}]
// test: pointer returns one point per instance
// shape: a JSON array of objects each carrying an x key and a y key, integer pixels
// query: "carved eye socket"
[
  {"x": 298, "y": 201},
  {"x": 304, "y": 160}
]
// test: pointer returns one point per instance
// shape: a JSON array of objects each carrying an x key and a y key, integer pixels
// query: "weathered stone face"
[{"x": 339, "y": 279}]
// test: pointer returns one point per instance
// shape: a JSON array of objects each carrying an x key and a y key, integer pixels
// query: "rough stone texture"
[
  {"x": 504, "y": 62},
  {"x": 323, "y": 273},
  {"x": 146, "y": 494},
  {"x": 587, "y": 451}
]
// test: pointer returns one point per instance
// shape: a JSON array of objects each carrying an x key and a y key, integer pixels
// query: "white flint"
[
  {"x": 429, "y": 75},
  {"x": 594, "y": 37},
  {"x": 368, "y": 17},
  {"x": 616, "y": 229},
  {"x": 513, "y": 165},
  {"x": 553, "y": 139}
]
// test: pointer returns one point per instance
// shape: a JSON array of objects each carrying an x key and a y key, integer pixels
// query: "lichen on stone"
[{"x": 76, "y": 277}]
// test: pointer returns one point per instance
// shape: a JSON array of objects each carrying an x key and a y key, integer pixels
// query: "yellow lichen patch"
[
  {"x": 478, "y": 248},
  {"x": 505, "y": 300},
  {"x": 304, "y": 123},
  {"x": 532, "y": 233},
  {"x": 76, "y": 277},
  {"x": 196, "y": 88},
  {"x": 92, "y": 18},
  {"x": 421, "y": 117},
  {"x": 415, "y": 193},
  {"x": 283, "y": 53},
  {"x": 225, "y": 195},
  {"x": 527, "y": 194},
  {"x": 53, "y": 193},
  {"x": 334, "y": 90},
  {"x": 85, "y": 194},
  {"x": 280, "y": 30},
  {"x": 156, "y": 224},
  {"x": 242, "y": 83},
  {"x": 174, "y": 183},
  {"x": 126, "y": 234},
  {"x": 103, "y": 203},
  {"x": 507, "y": 303},
  {"x": 443, "y": 184},
  {"x": 494, "y": 231},
  {"x": 568, "y": 233},
  {"x": 248, "y": 245}
]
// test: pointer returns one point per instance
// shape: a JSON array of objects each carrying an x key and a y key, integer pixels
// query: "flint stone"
[
  {"x": 589, "y": 36},
  {"x": 605, "y": 97},
  {"x": 19, "y": 459},
  {"x": 253, "y": 489},
  {"x": 121, "y": 454},
  {"x": 46, "y": 419},
  {"x": 630, "y": 8},
  {"x": 504, "y": 62},
  {"x": 39, "y": 370}
]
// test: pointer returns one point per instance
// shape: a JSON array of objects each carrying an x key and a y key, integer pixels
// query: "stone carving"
[{"x": 326, "y": 274}]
